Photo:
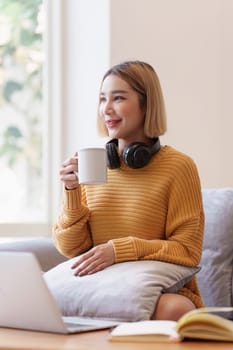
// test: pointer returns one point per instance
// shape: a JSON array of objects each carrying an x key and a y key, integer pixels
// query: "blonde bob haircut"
[{"x": 142, "y": 78}]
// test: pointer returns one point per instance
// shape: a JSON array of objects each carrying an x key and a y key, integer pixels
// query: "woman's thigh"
[{"x": 172, "y": 307}]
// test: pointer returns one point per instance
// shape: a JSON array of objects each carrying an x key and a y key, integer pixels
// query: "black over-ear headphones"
[{"x": 135, "y": 155}]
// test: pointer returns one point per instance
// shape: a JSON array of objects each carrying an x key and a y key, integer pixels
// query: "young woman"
[{"x": 151, "y": 207}]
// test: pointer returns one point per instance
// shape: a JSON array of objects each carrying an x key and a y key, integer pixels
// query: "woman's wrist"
[{"x": 70, "y": 188}]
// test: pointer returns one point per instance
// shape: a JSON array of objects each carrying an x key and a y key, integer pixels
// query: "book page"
[
  {"x": 203, "y": 324},
  {"x": 207, "y": 311},
  {"x": 135, "y": 330}
]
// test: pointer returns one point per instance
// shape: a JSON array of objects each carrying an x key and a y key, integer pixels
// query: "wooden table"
[{"x": 98, "y": 340}]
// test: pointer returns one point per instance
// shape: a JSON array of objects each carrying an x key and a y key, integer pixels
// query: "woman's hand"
[
  {"x": 67, "y": 175},
  {"x": 96, "y": 259}
]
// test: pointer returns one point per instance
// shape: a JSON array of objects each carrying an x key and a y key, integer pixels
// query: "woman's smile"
[{"x": 112, "y": 123}]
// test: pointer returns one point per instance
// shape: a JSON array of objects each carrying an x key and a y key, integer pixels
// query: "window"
[
  {"x": 22, "y": 175},
  {"x": 48, "y": 37},
  {"x": 30, "y": 142}
]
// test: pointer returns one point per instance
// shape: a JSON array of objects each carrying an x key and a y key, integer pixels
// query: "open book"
[{"x": 197, "y": 324}]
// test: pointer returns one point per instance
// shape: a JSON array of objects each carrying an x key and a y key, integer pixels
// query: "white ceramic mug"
[{"x": 92, "y": 166}]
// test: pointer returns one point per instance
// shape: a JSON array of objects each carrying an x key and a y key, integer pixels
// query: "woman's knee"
[{"x": 172, "y": 307}]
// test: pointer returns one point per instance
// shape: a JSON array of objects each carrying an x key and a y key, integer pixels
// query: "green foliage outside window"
[{"x": 21, "y": 63}]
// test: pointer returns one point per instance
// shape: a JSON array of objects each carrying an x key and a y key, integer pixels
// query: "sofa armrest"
[{"x": 43, "y": 248}]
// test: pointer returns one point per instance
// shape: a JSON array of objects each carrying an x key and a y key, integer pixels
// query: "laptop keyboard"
[
  {"x": 80, "y": 327},
  {"x": 84, "y": 324}
]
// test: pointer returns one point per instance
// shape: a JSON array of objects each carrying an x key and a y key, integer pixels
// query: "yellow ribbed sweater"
[{"x": 151, "y": 213}]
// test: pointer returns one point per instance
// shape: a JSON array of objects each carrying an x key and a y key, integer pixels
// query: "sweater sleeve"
[
  {"x": 183, "y": 236},
  {"x": 71, "y": 232}
]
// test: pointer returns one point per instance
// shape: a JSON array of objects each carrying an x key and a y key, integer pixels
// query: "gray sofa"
[{"x": 216, "y": 276}]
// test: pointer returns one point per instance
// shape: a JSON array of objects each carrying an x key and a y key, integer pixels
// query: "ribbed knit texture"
[{"x": 154, "y": 212}]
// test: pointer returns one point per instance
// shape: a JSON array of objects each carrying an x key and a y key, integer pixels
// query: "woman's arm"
[{"x": 71, "y": 232}]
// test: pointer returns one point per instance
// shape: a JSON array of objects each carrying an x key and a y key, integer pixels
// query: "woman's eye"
[
  {"x": 102, "y": 99},
  {"x": 118, "y": 98}
]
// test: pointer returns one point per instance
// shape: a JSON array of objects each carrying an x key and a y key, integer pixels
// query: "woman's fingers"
[{"x": 68, "y": 172}]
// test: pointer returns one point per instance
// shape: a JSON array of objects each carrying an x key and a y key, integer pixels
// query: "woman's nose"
[{"x": 108, "y": 108}]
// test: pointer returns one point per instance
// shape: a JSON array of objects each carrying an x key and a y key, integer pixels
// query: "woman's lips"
[{"x": 112, "y": 123}]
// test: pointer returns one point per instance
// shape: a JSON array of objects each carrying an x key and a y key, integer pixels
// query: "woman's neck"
[{"x": 122, "y": 143}]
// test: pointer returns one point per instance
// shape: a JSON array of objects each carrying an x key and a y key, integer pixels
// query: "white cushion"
[{"x": 125, "y": 291}]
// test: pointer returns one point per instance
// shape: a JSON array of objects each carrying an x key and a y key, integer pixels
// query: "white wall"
[
  {"x": 86, "y": 59},
  {"x": 189, "y": 43}
]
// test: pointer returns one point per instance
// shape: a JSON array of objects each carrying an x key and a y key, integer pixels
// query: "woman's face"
[{"x": 119, "y": 106}]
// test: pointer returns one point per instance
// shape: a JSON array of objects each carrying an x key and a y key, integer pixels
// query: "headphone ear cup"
[
  {"x": 113, "y": 160},
  {"x": 137, "y": 155}
]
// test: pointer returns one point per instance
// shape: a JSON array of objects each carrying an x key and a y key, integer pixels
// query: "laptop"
[{"x": 27, "y": 303}]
